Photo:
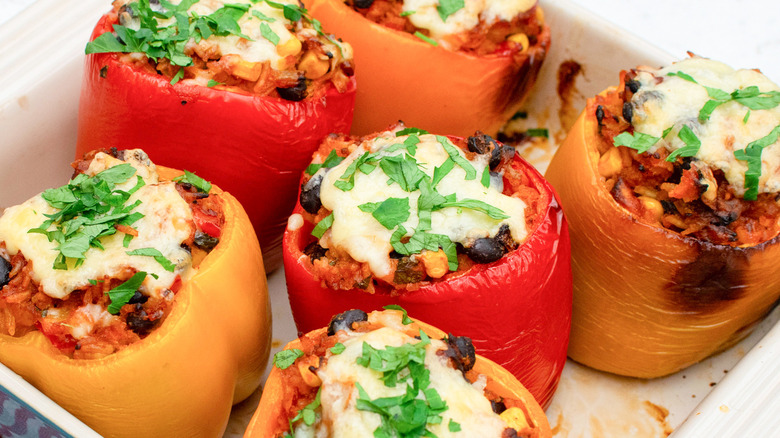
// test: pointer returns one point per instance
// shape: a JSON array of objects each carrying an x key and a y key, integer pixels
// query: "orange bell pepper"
[
  {"x": 649, "y": 301},
  {"x": 404, "y": 78},
  {"x": 182, "y": 379},
  {"x": 266, "y": 421}
]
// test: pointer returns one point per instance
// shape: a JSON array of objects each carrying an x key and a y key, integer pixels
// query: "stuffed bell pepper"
[
  {"x": 383, "y": 374},
  {"x": 135, "y": 297},
  {"x": 444, "y": 66},
  {"x": 671, "y": 184},
  {"x": 461, "y": 232},
  {"x": 241, "y": 92}
]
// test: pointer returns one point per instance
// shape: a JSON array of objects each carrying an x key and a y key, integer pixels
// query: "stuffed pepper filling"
[
  {"x": 95, "y": 264},
  {"x": 479, "y": 27},
  {"x": 405, "y": 208},
  {"x": 694, "y": 148},
  {"x": 379, "y": 374},
  {"x": 264, "y": 48}
]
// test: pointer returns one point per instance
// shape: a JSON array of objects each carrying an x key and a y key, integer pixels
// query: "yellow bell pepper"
[{"x": 182, "y": 379}]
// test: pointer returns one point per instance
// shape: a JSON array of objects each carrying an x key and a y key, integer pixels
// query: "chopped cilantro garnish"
[
  {"x": 87, "y": 210},
  {"x": 752, "y": 154},
  {"x": 692, "y": 144},
  {"x": 485, "y": 180},
  {"x": 338, "y": 348},
  {"x": 268, "y": 33},
  {"x": 409, "y": 131},
  {"x": 309, "y": 412},
  {"x": 190, "y": 178},
  {"x": 538, "y": 132},
  {"x": 331, "y": 160},
  {"x": 121, "y": 294},
  {"x": 449, "y": 7},
  {"x": 453, "y": 426},
  {"x": 452, "y": 151},
  {"x": 212, "y": 83},
  {"x": 156, "y": 254},
  {"x": 285, "y": 358},
  {"x": 407, "y": 13},
  {"x": 390, "y": 212},
  {"x": 639, "y": 141},
  {"x": 405, "y": 320},
  {"x": 322, "y": 226},
  {"x": 425, "y": 38}
]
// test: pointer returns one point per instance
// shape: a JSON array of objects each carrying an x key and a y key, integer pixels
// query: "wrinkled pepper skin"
[
  {"x": 255, "y": 147},
  {"x": 404, "y": 78},
  {"x": 265, "y": 421},
  {"x": 649, "y": 301},
  {"x": 183, "y": 378},
  {"x": 516, "y": 310}
]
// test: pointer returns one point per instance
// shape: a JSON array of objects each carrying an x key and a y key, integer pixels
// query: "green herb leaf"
[
  {"x": 405, "y": 320},
  {"x": 262, "y": 17},
  {"x": 455, "y": 155},
  {"x": 440, "y": 172},
  {"x": 156, "y": 254},
  {"x": 692, "y": 144},
  {"x": 105, "y": 43},
  {"x": 449, "y": 7},
  {"x": 752, "y": 154},
  {"x": 474, "y": 204},
  {"x": 332, "y": 160},
  {"x": 268, "y": 33},
  {"x": 199, "y": 183},
  {"x": 121, "y": 294},
  {"x": 639, "y": 141},
  {"x": 486, "y": 177},
  {"x": 212, "y": 83},
  {"x": 682, "y": 75},
  {"x": 285, "y": 358},
  {"x": 453, "y": 426},
  {"x": 338, "y": 348},
  {"x": 407, "y": 13},
  {"x": 322, "y": 226},
  {"x": 403, "y": 170},
  {"x": 425, "y": 38},
  {"x": 409, "y": 131},
  {"x": 390, "y": 212},
  {"x": 538, "y": 132}
]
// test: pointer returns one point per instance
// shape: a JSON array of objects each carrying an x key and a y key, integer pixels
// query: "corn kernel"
[
  {"x": 515, "y": 418},
  {"x": 653, "y": 206},
  {"x": 520, "y": 39},
  {"x": 435, "y": 263},
  {"x": 313, "y": 66},
  {"x": 290, "y": 47},
  {"x": 249, "y": 71},
  {"x": 309, "y": 377}
]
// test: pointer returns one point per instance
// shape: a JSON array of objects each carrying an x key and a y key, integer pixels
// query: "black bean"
[
  {"x": 628, "y": 111},
  {"x": 344, "y": 321},
  {"x": 140, "y": 323},
  {"x": 510, "y": 433},
  {"x": 600, "y": 114},
  {"x": 498, "y": 406},
  {"x": 632, "y": 85},
  {"x": 314, "y": 251},
  {"x": 461, "y": 351},
  {"x": 725, "y": 218},
  {"x": 310, "y": 194},
  {"x": 482, "y": 144},
  {"x": 669, "y": 207},
  {"x": 485, "y": 250},
  {"x": 363, "y": 4},
  {"x": 138, "y": 298},
  {"x": 295, "y": 93},
  {"x": 205, "y": 241},
  {"x": 5, "y": 272}
]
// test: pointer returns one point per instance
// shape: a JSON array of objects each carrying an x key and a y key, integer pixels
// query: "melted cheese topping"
[
  {"x": 664, "y": 101},
  {"x": 368, "y": 241},
  {"x": 426, "y": 16},
  {"x": 167, "y": 222},
  {"x": 258, "y": 48},
  {"x": 340, "y": 416}
]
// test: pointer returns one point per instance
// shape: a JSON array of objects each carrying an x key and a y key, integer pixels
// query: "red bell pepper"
[
  {"x": 517, "y": 310},
  {"x": 253, "y": 146}
]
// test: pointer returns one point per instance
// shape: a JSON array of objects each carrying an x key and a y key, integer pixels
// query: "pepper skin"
[
  {"x": 516, "y": 310},
  {"x": 404, "y": 78},
  {"x": 265, "y": 422},
  {"x": 649, "y": 301},
  {"x": 255, "y": 147},
  {"x": 182, "y": 379}
]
